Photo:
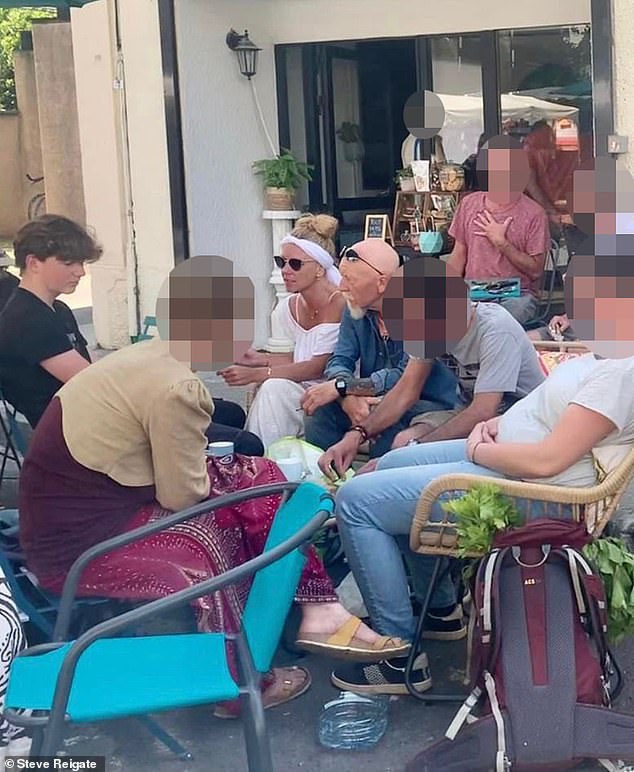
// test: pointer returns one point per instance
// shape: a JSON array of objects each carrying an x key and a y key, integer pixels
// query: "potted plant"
[
  {"x": 282, "y": 176},
  {"x": 405, "y": 180},
  {"x": 350, "y": 134}
]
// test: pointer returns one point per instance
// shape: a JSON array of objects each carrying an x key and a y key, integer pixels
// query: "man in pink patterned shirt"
[{"x": 501, "y": 233}]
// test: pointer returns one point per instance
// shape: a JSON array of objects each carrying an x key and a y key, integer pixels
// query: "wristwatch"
[{"x": 341, "y": 384}]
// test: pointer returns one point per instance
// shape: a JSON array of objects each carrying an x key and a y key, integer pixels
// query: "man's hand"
[
  {"x": 358, "y": 408},
  {"x": 558, "y": 324},
  {"x": 340, "y": 456},
  {"x": 494, "y": 231},
  {"x": 319, "y": 395},
  {"x": 240, "y": 375},
  {"x": 416, "y": 432}
]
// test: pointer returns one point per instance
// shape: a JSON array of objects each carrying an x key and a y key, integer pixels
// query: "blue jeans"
[
  {"x": 329, "y": 423},
  {"x": 375, "y": 512}
]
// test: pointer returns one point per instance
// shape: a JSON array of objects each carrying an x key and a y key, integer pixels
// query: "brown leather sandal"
[{"x": 284, "y": 688}]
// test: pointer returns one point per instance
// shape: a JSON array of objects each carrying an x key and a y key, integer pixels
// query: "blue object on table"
[
  {"x": 430, "y": 242},
  {"x": 494, "y": 289}
]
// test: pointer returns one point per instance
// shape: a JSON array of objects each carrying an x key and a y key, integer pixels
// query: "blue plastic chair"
[
  {"x": 149, "y": 321},
  {"x": 100, "y": 677}
]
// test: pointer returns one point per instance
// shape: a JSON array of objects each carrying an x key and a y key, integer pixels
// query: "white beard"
[{"x": 356, "y": 312}]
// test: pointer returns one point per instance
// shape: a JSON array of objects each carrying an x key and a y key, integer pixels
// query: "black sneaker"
[
  {"x": 385, "y": 677},
  {"x": 449, "y": 628}
]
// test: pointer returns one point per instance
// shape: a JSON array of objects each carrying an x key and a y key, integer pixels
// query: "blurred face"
[
  {"x": 59, "y": 277},
  {"x": 206, "y": 313},
  {"x": 362, "y": 287},
  {"x": 601, "y": 308},
  {"x": 507, "y": 171},
  {"x": 426, "y": 305},
  {"x": 299, "y": 271}
]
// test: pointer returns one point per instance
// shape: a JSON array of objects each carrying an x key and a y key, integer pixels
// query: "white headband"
[{"x": 318, "y": 254}]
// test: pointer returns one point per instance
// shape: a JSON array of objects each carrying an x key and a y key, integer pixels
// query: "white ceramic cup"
[{"x": 292, "y": 468}]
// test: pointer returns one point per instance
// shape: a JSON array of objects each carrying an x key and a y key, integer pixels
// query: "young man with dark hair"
[{"x": 41, "y": 346}]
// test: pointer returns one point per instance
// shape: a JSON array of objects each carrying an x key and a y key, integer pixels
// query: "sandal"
[
  {"x": 345, "y": 645},
  {"x": 288, "y": 683}
]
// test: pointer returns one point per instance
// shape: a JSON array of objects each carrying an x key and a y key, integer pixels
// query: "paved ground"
[{"x": 218, "y": 745}]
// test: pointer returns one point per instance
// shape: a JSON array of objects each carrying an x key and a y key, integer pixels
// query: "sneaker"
[
  {"x": 449, "y": 628},
  {"x": 385, "y": 677}
]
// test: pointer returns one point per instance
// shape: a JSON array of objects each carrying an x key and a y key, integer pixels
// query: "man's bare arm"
[
  {"x": 457, "y": 260},
  {"x": 533, "y": 265},
  {"x": 483, "y": 407}
]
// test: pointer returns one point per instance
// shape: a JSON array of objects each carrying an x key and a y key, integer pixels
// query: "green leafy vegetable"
[
  {"x": 484, "y": 510},
  {"x": 615, "y": 563},
  {"x": 480, "y": 513}
]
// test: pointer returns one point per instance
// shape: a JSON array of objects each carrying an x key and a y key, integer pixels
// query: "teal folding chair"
[
  {"x": 148, "y": 322},
  {"x": 101, "y": 677}
]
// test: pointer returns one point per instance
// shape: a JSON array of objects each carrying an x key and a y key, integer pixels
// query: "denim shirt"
[{"x": 382, "y": 360}]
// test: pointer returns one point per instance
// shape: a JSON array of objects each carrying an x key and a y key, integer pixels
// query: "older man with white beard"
[{"x": 366, "y": 361}]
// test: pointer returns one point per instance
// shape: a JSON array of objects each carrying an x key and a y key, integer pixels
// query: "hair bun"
[{"x": 323, "y": 225}]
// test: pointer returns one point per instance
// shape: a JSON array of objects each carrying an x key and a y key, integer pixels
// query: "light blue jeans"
[{"x": 374, "y": 513}]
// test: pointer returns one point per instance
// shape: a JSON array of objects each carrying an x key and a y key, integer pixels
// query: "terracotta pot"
[{"x": 279, "y": 199}]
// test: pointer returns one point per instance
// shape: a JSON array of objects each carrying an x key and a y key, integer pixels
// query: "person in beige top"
[{"x": 122, "y": 444}]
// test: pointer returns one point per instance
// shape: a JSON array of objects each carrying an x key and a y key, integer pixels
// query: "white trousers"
[{"x": 276, "y": 411}]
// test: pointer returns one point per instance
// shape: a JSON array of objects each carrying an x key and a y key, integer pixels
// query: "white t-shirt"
[
  {"x": 605, "y": 386},
  {"x": 319, "y": 340}
]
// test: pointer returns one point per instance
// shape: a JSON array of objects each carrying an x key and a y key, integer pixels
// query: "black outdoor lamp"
[{"x": 246, "y": 50}]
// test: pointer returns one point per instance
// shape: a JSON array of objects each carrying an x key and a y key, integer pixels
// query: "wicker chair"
[{"x": 594, "y": 506}]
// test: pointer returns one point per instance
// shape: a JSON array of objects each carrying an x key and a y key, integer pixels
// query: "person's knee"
[
  {"x": 349, "y": 505},
  {"x": 229, "y": 413},
  {"x": 248, "y": 444}
]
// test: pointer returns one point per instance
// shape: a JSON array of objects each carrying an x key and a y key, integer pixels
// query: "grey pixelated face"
[
  {"x": 599, "y": 285},
  {"x": 206, "y": 312},
  {"x": 424, "y": 114},
  {"x": 426, "y": 306}
]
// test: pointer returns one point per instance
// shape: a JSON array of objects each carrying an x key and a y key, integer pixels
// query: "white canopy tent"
[{"x": 464, "y": 121}]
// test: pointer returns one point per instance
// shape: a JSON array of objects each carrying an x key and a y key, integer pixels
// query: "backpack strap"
[
  {"x": 501, "y": 759},
  {"x": 485, "y": 598}
]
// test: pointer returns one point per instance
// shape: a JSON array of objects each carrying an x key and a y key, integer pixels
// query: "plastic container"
[
  {"x": 353, "y": 722},
  {"x": 223, "y": 452}
]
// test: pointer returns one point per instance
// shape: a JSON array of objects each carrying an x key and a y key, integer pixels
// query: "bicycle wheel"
[{"x": 37, "y": 206}]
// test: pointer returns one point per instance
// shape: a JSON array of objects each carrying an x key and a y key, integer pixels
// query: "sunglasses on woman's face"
[
  {"x": 294, "y": 263},
  {"x": 349, "y": 254}
]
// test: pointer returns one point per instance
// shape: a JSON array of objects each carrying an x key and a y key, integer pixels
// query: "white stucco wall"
[
  {"x": 623, "y": 30},
  {"x": 127, "y": 198},
  {"x": 221, "y": 134}
]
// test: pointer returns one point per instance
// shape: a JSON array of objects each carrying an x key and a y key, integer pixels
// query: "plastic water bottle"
[{"x": 353, "y": 722}]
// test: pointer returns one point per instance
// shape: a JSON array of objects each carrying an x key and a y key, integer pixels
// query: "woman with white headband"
[{"x": 310, "y": 317}]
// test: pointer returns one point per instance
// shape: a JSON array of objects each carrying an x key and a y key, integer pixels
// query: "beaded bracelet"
[{"x": 362, "y": 431}]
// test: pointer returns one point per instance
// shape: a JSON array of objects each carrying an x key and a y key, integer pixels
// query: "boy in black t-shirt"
[{"x": 41, "y": 346}]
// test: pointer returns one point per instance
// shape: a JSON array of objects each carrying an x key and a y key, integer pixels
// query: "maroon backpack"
[{"x": 542, "y": 674}]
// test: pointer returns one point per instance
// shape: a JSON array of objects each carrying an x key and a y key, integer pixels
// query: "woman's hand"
[
  {"x": 490, "y": 430},
  {"x": 253, "y": 358},
  {"x": 240, "y": 375},
  {"x": 477, "y": 437}
]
